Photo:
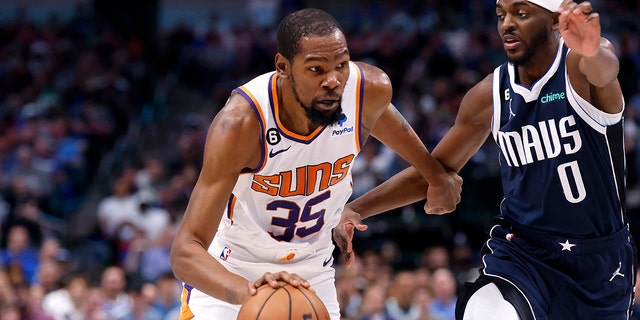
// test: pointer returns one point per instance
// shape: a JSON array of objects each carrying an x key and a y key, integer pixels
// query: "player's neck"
[
  {"x": 290, "y": 113},
  {"x": 539, "y": 63}
]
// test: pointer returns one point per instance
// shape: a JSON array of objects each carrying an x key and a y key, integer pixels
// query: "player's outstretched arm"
[
  {"x": 402, "y": 189},
  {"x": 580, "y": 28},
  {"x": 385, "y": 123},
  {"x": 592, "y": 63},
  {"x": 462, "y": 141}
]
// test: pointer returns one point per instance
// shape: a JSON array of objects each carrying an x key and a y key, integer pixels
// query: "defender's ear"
[
  {"x": 282, "y": 65},
  {"x": 556, "y": 20}
]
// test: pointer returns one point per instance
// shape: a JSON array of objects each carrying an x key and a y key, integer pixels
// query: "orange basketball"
[{"x": 284, "y": 303}]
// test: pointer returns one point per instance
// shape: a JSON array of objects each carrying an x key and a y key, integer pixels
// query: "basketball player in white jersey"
[{"x": 276, "y": 172}]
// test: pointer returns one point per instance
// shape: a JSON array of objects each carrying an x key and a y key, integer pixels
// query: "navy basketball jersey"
[{"x": 562, "y": 159}]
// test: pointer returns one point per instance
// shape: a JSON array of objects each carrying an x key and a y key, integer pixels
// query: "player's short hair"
[{"x": 303, "y": 23}]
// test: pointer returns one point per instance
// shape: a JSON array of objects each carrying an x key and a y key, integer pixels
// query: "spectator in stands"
[
  {"x": 93, "y": 309},
  {"x": 150, "y": 218},
  {"x": 142, "y": 295},
  {"x": 152, "y": 176},
  {"x": 116, "y": 303},
  {"x": 117, "y": 209},
  {"x": 435, "y": 257},
  {"x": 443, "y": 302},
  {"x": 68, "y": 302},
  {"x": 19, "y": 253},
  {"x": 48, "y": 275},
  {"x": 422, "y": 299},
  {"x": 117, "y": 216},
  {"x": 150, "y": 258},
  {"x": 371, "y": 167},
  {"x": 10, "y": 312},
  {"x": 33, "y": 308},
  {"x": 348, "y": 286},
  {"x": 167, "y": 295},
  {"x": 7, "y": 292},
  {"x": 373, "y": 304},
  {"x": 400, "y": 303}
]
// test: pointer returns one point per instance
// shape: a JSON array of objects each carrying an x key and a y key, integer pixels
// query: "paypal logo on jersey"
[
  {"x": 549, "y": 97},
  {"x": 342, "y": 130},
  {"x": 342, "y": 120}
]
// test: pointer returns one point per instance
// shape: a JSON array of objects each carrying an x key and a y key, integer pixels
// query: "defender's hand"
[
  {"x": 444, "y": 194},
  {"x": 343, "y": 234},
  {"x": 580, "y": 27}
]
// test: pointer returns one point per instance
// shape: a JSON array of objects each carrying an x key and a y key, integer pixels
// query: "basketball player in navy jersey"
[
  {"x": 276, "y": 172},
  {"x": 560, "y": 248}
]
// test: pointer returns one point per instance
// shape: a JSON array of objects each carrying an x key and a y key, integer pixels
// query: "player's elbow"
[{"x": 178, "y": 257}]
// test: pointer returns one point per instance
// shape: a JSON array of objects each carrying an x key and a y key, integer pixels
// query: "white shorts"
[
  {"x": 312, "y": 264},
  {"x": 203, "y": 306}
]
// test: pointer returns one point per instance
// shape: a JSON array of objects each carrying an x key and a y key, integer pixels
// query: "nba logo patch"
[{"x": 224, "y": 255}]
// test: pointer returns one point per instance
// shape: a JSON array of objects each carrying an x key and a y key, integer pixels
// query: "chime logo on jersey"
[
  {"x": 304, "y": 180},
  {"x": 549, "y": 97},
  {"x": 544, "y": 141}
]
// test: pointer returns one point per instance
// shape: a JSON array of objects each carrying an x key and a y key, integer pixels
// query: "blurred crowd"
[{"x": 72, "y": 90}]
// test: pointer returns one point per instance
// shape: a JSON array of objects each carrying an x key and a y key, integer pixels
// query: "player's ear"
[
  {"x": 556, "y": 20},
  {"x": 282, "y": 65}
]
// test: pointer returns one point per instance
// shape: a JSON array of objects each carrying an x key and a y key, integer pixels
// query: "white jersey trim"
[
  {"x": 497, "y": 104},
  {"x": 532, "y": 94},
  {"x": 595, "y": 117}
]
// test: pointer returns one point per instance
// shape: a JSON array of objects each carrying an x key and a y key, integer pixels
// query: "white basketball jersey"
[{"x": 296, "y": 195}]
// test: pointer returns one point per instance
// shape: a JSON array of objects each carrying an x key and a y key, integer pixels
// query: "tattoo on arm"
[{"x": 405, "y": 125}]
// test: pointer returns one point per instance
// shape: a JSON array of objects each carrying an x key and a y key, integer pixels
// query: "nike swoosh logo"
[
  {"x": 273, "y": 154},
  {"x": 327, "y": 261}
]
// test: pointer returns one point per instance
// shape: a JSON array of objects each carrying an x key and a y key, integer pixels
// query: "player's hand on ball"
[
  {"x": 272, "y": 280},
  {"x": 285, "y": 302}
]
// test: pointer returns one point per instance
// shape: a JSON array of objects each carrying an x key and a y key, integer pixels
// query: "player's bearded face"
[
  {"x": 536, "y": 41},
  {"x": 315, "y": 114}
]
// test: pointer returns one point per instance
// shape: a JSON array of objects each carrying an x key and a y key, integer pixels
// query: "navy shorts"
[{"x": 564, "y": 278}]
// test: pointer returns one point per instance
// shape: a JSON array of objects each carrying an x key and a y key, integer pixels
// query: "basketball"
[{"x": 283, "y": 303}]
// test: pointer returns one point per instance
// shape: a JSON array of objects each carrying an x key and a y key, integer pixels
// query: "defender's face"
[
  {"x": 523, "y": 27},
  {"x": 319, "y": 74}
]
